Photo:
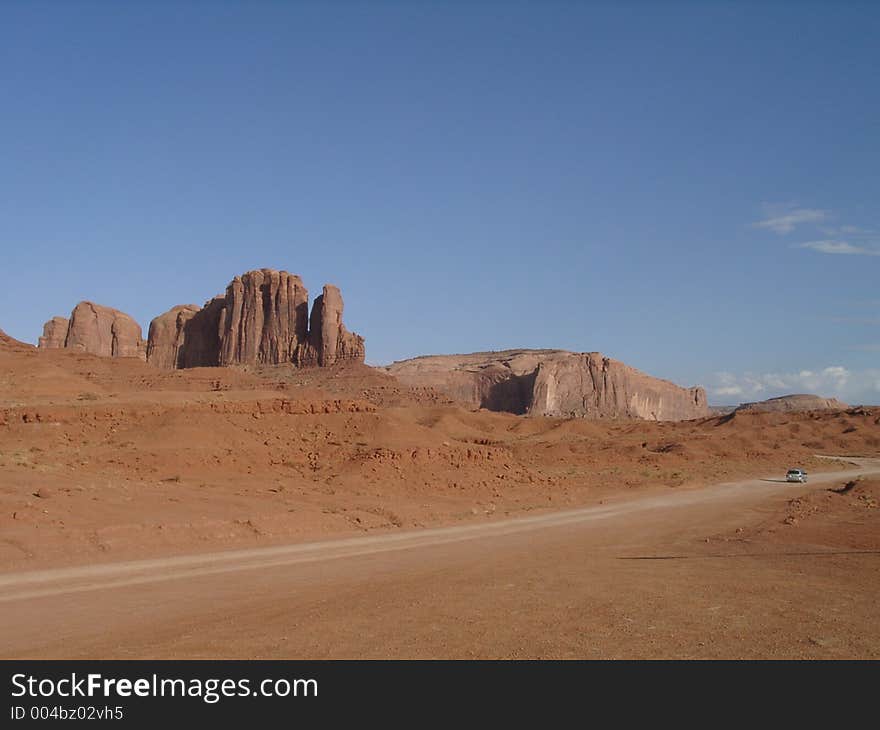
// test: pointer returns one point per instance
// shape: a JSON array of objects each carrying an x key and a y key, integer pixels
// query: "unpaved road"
[{"x": 635, "y": 578}]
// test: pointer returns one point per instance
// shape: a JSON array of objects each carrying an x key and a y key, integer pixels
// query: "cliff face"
[
  {"x": 554, "y": 383},
  {"x": 166, "y": 341},
  {"x": 590, "y": 385},
  {"x": 95, "y": 329},
  {"x": 262, "y": 318},
  {"x": 186, "y": 336}
]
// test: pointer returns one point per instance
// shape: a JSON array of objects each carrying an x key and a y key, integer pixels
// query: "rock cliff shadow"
[
  {"x": 201, "y": 337},
  {"x": 512, "y": 395}
]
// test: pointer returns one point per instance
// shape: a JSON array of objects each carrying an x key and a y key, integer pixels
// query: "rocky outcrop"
[
  {"x": 553, "y": 383},
  {"x": 202, "y": 346},
  {"x": 167, "y": 336},
  {"x": 104, "y": 331},
  {"x": 98, "y": 330},
  {"x": 329, "y": 341},
  {"x": 54, "y": 333},
  {"x": 262, "y": 318},
  {"x": 186, "y": 336},
  {"x": 795, "y": 403}
]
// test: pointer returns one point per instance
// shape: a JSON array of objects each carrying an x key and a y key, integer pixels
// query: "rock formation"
[
  {"x": 167, "y": 336},
  {"x": 329, "y": 342},
  {"x": 98, "y": 330},
  {"x": 794, "y": 403},
  {"x": 54, "y": 333},
  {"x": 553, "y": 383},
  {"x": 186, "y": 336},
  {"x": 262, "y": 319}
]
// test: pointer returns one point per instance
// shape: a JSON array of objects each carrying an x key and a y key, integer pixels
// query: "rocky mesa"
[
  {"x": 795, "y": 403},
  {"x": 553, "y": 383}
]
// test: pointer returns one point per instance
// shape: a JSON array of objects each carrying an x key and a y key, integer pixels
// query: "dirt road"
[{"x": 642, "y": 578}]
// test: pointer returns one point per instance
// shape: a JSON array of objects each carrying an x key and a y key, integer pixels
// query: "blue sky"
[{"x": 691, "y": 188}]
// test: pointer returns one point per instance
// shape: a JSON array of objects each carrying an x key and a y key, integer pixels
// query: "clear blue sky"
[{"x": 689, "y": 187}]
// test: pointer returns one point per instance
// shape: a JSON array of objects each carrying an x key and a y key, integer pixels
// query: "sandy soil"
[
  {"x": 103, "y": 462},
  {"x": 639, "y": 578}
]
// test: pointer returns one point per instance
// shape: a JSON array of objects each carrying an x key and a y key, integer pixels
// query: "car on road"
[{"x": 796, "y": 475}]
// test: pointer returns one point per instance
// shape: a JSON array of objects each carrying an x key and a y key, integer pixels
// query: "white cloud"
[
  {"x": 783, "y": 219},
  {"x": 728, "y": 390},
  {"x": 834, "y": 381},
  {"x": 839, "y": 247}
]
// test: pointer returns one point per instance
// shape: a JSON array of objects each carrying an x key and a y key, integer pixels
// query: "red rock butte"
[
  {"x": 95, "y": 329},
  {"x": 263, "y": 318}
]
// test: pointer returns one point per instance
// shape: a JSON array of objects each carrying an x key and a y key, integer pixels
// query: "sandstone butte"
[
  {"x": 262, "y": 319},
  {"x": 553, "y": 383},
  {"x": 95, "y": 329}
]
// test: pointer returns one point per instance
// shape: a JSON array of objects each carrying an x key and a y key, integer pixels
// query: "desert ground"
[{"x": 334, "y": 512}]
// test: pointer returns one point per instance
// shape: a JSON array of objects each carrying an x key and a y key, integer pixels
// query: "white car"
[{"x": 796, "y": 475}]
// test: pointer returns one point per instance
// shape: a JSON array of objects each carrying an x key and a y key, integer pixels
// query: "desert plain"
[{"x": 276, "y": 511}]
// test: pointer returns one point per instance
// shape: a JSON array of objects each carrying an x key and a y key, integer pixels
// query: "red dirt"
[{"x": 106, "y": 460}]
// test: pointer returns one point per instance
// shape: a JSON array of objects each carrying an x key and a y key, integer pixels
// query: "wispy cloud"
[
  {"x": 842, "y": 240},
  {"x": 843, "y": 248},
  {"x": 848, "y": 231},
  {"x": 852, "y": 386},
  {"x": 783, "y": 219}
]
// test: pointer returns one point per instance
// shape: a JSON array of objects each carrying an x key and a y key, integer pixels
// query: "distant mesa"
[
  {"x": 95, "y": 329},
  {"x": 263, "y": 318},
  {"x": 722, "y": 410},
  {"x": 795, "y": 403},
  {"x": 553, "y": 383}
]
